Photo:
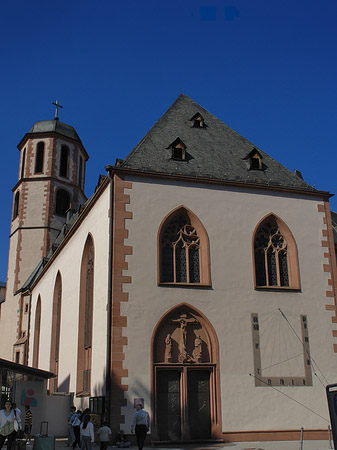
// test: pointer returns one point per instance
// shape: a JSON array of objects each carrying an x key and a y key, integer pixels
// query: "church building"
[{"x": 199, "y": 279}]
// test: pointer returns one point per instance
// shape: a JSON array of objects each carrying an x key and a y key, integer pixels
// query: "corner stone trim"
[
  {"x": 331, "y": 266},
  {"x": 118, "y": 322}
]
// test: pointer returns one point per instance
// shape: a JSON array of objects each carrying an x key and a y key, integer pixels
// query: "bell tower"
[{"x": 50, "y": 181}]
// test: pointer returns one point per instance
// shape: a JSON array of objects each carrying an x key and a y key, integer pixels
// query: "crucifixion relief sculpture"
[{"x": 183, "y": 322}]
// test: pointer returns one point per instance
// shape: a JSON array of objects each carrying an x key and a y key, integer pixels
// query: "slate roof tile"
[{"x": 215, "y": 152}]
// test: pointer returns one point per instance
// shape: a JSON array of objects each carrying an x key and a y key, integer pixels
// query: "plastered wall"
[
  {"x": 230, "y": 216},
  {"x": 68, "y": 263}
]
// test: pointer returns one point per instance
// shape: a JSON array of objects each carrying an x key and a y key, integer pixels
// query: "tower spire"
[{"x": 57, "y": 107}]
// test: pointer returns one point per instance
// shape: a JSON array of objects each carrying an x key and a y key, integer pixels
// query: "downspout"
[{"x": 108, "y": 168}]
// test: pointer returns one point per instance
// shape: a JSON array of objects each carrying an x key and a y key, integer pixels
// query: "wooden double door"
[{"x": 183, "y": 403}]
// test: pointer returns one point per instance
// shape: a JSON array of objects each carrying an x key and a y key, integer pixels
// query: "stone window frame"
[
  {"x": 55, "y": 334},
  {"x": 292, "y": 256},
  {"x": 58, "y": 200},
  {"x": 23, "y": 163},
  {"x": 16, "y": 205},
  {"x": 39, "y": 157},
  {"x": 64, "y": 161},
  {"x": 84, "y": 352},
  {"x": 37, "y": 332},
  {"x": 204, "y": 249}
]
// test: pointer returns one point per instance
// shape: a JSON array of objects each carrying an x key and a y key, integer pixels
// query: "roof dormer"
[
  {"x": 254, "y": 159},
  {"x": 197, "y": 121},
  {"x": 178, "y": 149}
]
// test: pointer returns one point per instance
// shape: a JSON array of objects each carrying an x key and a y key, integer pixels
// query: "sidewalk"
[{"x": 265, "y": 445}]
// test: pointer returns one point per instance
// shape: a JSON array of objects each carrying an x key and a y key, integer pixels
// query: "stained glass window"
[
  {"x": 180, "y": 247},
  {"x": 271, "y": 255}
]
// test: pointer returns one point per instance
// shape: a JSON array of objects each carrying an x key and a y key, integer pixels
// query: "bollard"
[
  {"x": 330, "y": 441},
  {"x": 301, "y": 443}
]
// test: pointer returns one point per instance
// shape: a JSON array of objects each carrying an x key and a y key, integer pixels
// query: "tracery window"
[
  {"x": 275, "y": 254},
  {"x": 184, "y": 250},
  {"x": 180, "y": 247}
]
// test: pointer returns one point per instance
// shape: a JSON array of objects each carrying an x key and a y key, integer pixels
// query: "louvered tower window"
[{"x": 39, "y": 158}]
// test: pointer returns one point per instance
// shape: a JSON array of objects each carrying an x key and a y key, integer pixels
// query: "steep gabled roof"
[{"x": 214, "y": 151}]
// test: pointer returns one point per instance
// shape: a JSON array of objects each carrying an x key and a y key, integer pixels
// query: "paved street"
[{"x": 270, "y": 445}]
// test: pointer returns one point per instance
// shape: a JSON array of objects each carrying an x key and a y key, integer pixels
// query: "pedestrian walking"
[
  {"x": 141, "y": 425},
  {"x": 87, "y": 433},
  {"x": 75, "y": 422},
  {"x": 104, "y": 434},
  {"x": 71, "y": 435},
  {"x": 8, "y": 423}
]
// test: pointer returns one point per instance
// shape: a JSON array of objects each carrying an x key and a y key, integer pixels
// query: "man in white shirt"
[{"x": 141, "y": 425}]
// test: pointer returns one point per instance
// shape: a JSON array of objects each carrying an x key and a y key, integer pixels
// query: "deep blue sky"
[{"x": 267, "y": 69}]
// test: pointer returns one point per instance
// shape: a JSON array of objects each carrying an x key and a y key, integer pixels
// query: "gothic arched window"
[
  {"x": 37, "y": 329},
  {"x": 184, "y": 250},
  {"x": 39, "y": 157},
  {"x": 62, "y": 202},
  {"x": 85, "y": 320},
  {"x": 64, "y": 161},
  {"x": 55, "y": 333},
  {"x": 16, "y": 205},
  {"x": 275, "y": 255}
]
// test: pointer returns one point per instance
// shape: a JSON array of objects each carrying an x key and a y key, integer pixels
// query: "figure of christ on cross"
[{"x": 183, "y": 321}]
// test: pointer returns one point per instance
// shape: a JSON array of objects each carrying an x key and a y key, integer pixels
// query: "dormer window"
[
  {"x": 254, "y": 159},
  {"x": 178, "y": 150},
  {"x": 197, "y": 121}
]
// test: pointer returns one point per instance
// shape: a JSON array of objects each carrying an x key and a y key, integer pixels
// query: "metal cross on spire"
[{"x": 57, "y": 107}]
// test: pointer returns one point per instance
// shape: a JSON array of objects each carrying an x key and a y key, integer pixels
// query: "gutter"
[{"x": 109, "y": 169}]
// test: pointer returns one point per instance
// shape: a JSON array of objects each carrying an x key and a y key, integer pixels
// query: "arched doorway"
[{"x": 186, "y": 399}]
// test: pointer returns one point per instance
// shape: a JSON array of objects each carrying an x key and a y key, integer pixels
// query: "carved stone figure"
[
  {"x": 168, "y": 348},
  {"x": 197, "y": 352},
  {"x": 183, "y": 321}
]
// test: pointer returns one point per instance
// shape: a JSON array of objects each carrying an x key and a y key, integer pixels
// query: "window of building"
[
  {"x": 80, "y": 172},
  {"x": 23, "y": 162},
  {"x": 275, "y": 255},
  {"x": 62, "y": 202},
  {"x": 64, "y": 161},
  {"x": 37, "y": 328},
  {"x": 16, "y": 205},
  {"x": 55, "y": 333},
  {"x": 84, "y": 354},
  {"x": 178, "y": 149},
  {"x": 39, "y": 157},
  {"x": 197, "y": 121},
  {"x": 254, "y": 160},
  {"x": 184, "y": 250}
]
